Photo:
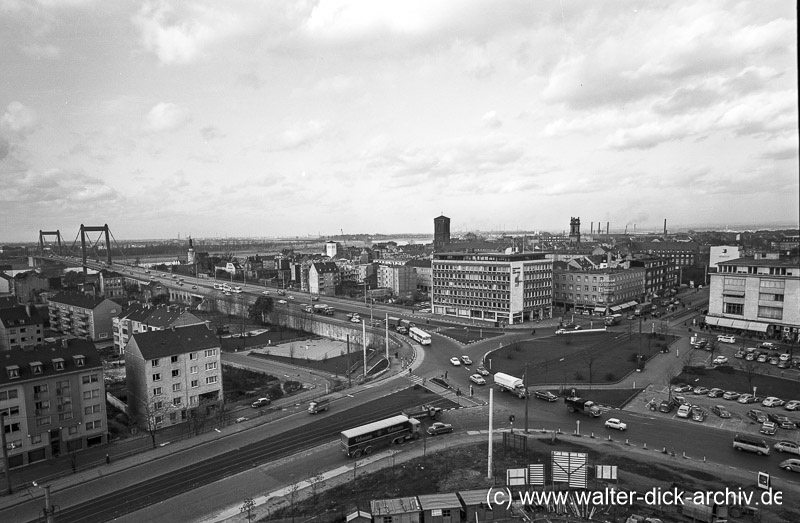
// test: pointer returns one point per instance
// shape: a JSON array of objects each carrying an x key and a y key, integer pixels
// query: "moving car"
[
  {"x": 477, "y": 379},
  {"x": 261, "y": 402},
  {"x": 482, "y": 371},
  {"x": 455, "y": 361},
  {"x": 682, "y": 388},
  {"x": 731, "y": 395},
  {"x": 684, "y": 411},
  {"x": 720, "y": 411},
  {"x": 439, "y": 428},
  {"x": 614, "y": 423},
  {"x": 781, "y": 421},
  {"x": 772, "y": 401},
  {"x": 715, "y": 393},
  {"x": 700, "y": 390},
  {"x": 787, "y": 446},
  {"x": 282, "y": 302},
  {"x": 792, "y": 465},
  {"x": 726, "y": 338},
  {"x": 545, "y": 395},
  {"x": 767, "y": 345},
  {"x": 757, "y": 415},
  {"x": 720, "y": 360},
  {"x": 768, "y": 428},
  {"x": 265, "y": 293},
  {"x": 466, "y": 360}
]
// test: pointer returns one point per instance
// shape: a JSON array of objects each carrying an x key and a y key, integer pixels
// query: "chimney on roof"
[{"x": 64, "y": 343}]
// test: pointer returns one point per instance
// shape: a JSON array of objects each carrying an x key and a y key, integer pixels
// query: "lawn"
[
  {"x": 738, "y": 380},
  {"x": 595, "y": 358}
]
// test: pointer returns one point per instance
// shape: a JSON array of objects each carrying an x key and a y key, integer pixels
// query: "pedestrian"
[
  {"x": 108, "y": 459},
  {"x": 445, "y": 374}
]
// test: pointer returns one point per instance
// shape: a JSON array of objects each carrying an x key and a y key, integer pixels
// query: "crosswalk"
[{"x": 464, "y": 400}]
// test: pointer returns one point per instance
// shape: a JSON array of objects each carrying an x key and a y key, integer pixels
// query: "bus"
[
  {"x": 419, "y": 335},
  {"x": 391, "y": 431}
]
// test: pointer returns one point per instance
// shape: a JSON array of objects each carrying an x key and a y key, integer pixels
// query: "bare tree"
[
  {"x": 749, "y": 368},
  {"x": 589, "y": 358},
  {"x": 151, "y": 414},
  {"x": 316, "y": 480},
  {"x": 248, "y": 507}
]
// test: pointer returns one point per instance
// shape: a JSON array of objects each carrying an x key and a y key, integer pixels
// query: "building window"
[
  {"x": 158, "y": 405},
  {"x": 192, "y": 355},
  {"x": 173, "y": 359},
  {"x": 40, "y": 389},
  {"x": 8, "y": 394},
  {"x": 195, "y": 383},
  {"x": 91, "y": 425},
  {"x": 210, "y": 380},
  {"x": 72, "y": 430},
  {"x": 176, "y": 401},
  {"x": 92, "y": 378},
  {"x": 210, "y": 352},
  {"x": 36, "y": 438},
  {"x": 772, "y": 313},
  {"x": 211, "y": 366},
  {"x": 193, "y": 369},
  {"x": 65, "y": 416},
  {"x": 734, "y": 308},
  {"x": 11, "y": 411},
  {"x": 40, "y": 422},
  {"x": 192, "y": 400},
  {"x": 157, "y": 376},
  {"x": 157, "y": 391},
  {"x": 176, "y": 387},
  {"x": 154, "y": 363},
  {"x": 91, "y": 409},
  {"x": 176, "y": 373}
]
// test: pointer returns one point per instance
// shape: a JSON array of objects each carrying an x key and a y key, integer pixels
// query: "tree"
[
  {"x": 316, "y": 480},
  {"x": 750, "y": 369},
  {"x": 151, "y": 413},
  {"x": 259, "y": 311},
  {"x": 72, "y": 279},
  {"x": 248, "y": 507}
]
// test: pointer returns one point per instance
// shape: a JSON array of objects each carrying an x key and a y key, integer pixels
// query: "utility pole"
[
  {"x": 5, "y": 451},
  {"x": 527, "y": 397},
  {"x": 349, "y": 374},
  {"x": 491, "y": 420}
]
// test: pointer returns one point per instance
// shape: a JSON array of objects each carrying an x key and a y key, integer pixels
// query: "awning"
[
  {"x": 616, "y": 308},
  {"x": 757, "y": 326},
  {"x": 712, "y": 322},
  {"x": 739, "y": 324},
  {"x": 725, "y": 322},
  {"x": 631, "y": 304},
  {"x": 599, "y": 309}
]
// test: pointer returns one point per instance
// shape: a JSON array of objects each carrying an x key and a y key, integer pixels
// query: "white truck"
[{"x": 510, "y": 383}]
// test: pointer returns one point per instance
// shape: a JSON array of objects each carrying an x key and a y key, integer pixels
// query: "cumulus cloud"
[
  {"x": 58, "y": 188},
  {"x": 18, "y": 119},
  {"x": 166, "y": 117},
  {"x": 491, "y": 120},
  {"x": 302, "y": 134}
]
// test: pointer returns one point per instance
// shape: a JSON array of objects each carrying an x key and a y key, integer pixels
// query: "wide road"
[{"x": 320, "y": 429}]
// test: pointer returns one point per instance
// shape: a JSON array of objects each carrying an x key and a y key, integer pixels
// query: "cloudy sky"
[{"x": 268, "y": 118}]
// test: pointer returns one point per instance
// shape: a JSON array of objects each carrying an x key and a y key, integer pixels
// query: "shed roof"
[
  {"x": 439, "y": 501},
  {"x": 386, "y": 507}
]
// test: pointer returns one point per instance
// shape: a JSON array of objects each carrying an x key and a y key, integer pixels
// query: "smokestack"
[
  {"x": 591, "y": 227},
  {"x": 665, "y": 226},
  {"x": 607, "y": 226}
]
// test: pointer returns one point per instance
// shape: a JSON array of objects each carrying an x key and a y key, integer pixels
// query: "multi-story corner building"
[
  {"x": 20, "y": 326},
  {"x": 324, "y": 278},
  {"x": 112, "y": 285},
  {"x": 145, "y": 317},
  {"x": 173, "y": 374},
  {"x": 660, "y": 275},
  {"x": 505, "y": 288},
  {"x": 83, "y": 316},
  {"x": 598, "y": 291},
  {"x": 756, "y": 295},
  {"x": 422, "y": 268},
  {"x": 401, "y": 280},
  {"x": 53, "y": 397},
  {"x": 721, "y": 253}
]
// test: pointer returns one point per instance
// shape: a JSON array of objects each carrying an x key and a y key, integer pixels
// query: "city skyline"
[{"x": 271, "y": 119}]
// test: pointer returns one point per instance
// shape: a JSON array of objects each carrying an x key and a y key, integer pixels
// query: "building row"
[{"x": 466, "y": 506}]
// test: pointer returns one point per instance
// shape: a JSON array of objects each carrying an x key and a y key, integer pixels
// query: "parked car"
[
  {"x": 726, "y": 338},
  {"x": 439, "y": 428},
  {"x": 614, "y": 423},
  {"x": 698, "y": 414},
  {"x": 792, "y": 405},
  {"x": 731, "y": 395},
  {"x": 455, "y": 361},
  {"x": 762, "y": 358},
  {"x": 545, "y": 395},
  {"x": 482, "y": 371},
  {"x": 792, "y": 465},
  {"x": 751, "y": 356},
  {"x": 666, "y": 406},
  {"x": 785, "y": 357},
  {"x": 740, "y": 354},
  {"x": 784, "y": 364},
  {"x": 757, "y": 415},
  {"x": 767, "y": 345},
  {"x": 783, "y": 422},
  {"x": 746, "y": 398},
  {"x": 768, "y": 428},
  {"x": 720, "y": 360},
  {"x": 477, "y": 379},
  {"x": 684, "y": 411},
  {"x": 773, "y": 360},
  {"x": 787, "y": 446},
  {"x": 772, "y": 401},
  {"x": 679, "y": 400},
  {"x": 715, "y": 393},
  {"x": 682, "y": 387},
  {"x": 720, "y": 411},
  {"x": 282, "y": 302},
  {"x": 466, "y": 360},
  {"x": 700, "y": 390}
]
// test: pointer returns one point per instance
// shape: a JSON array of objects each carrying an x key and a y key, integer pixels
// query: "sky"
[{"x": 294, "y": 118}]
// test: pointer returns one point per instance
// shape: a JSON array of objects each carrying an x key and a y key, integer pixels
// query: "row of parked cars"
[
  {"x": 781, "y": 360},
  {"x": 744, "y": 398}
]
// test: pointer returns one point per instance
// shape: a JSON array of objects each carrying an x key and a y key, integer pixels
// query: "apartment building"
[
  {"x": 660, "y": 275},
  {"x": 20, "y": 326},
  {"x": 422, "y": 269},
  {"x": 756, "y": 295},
  {"x": 173, "y": 375},
  {"x": 504, "y": 288},
  {"x": 681, "y": 254},
  {"x": 324, "y": 278},
  {"x": 596, "y": 292},
  {"x": 83, "y": 316},
  {"x": 401, "y": 280},
  {"x": 53, "y": 397},
  {"x": 112, "y": 285},
  {"x": 146, "y": 317}
]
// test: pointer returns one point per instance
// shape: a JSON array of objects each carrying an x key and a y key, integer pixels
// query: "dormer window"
[
  {"x": 58, "y": 363},
  {"x": 13, "y": 371},
  {"x": 36, "y": 367},
  {"x": 79, "y": 360}
]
